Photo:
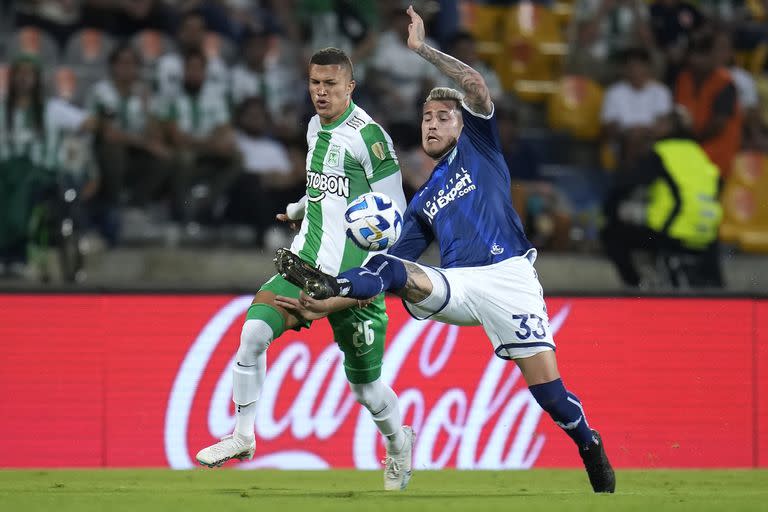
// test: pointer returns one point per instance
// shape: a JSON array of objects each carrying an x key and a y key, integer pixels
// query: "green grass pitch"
[{"x": 227, "y": 490}]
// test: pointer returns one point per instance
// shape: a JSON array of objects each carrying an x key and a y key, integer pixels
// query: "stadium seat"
[
  {"x": 33, "y": 41},
  {"x": 217, "y": 46},
  {"x": 745, "y": 203},
  {"x": 563, "y": 11},
  {"x": 756, "y": 9},
  {"x": 65, "y": 84},
  {"x": 532, "y": 51},
  {"x": 3, "y": 80},
  {"x": 88, "y": 47},
  {"x": 487, "y": 26},
  {"x": 87, "y": 54},
  {"x": 575, "y": 107},
  {"x": 608, "y": 156},
  {"x": 762, "y": 92},
  {"x": 151, "y": 45},
  {"x": 758, "y": 59}
]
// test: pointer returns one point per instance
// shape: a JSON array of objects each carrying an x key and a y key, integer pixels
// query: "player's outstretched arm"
[{"x": 476, "y": 94}]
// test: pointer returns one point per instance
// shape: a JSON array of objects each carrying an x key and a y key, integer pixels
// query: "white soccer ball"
[{"x": 373, "y": 222}]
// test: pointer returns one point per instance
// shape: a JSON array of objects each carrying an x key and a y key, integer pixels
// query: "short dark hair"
[
  {"x": 194, "y": 53},
  {"x": 191, "y": 13},
  {"x": 256, "y": 35},
  {"x": 247, "y": 103},
  {"x": 636, "y": 54},
  {"x": 702, "y": 42},
  {"x": 120, "y": 49},
  {"x": 332, "y": 57}
]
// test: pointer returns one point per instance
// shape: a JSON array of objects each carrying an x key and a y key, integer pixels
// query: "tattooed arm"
[{"x": 476, "y": 94}]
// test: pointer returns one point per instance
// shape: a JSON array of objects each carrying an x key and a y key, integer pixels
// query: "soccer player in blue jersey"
[{"x": 486, "y": 276}]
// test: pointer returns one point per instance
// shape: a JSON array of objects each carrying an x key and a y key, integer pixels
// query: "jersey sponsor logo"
[
  {"x": 326, "y": 183},
  {"x": 496, "y": 249},
  {"x": 458, "y": 186},
  {"x": 379, "y": 150}
]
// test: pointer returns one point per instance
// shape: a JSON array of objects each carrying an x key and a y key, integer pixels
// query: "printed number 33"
[{"x": 524, "y": 331}]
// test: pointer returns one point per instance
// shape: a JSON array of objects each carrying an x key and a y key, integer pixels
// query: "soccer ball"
[{"x": 373, "y": 222}]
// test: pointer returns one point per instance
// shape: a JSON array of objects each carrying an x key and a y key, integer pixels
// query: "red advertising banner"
[
  {"x": 145, "y": 380},
  {"x": 760, "y": 383}
]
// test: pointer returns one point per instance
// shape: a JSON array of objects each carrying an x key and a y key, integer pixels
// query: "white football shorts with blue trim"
[{"x": 506, "y": 298}]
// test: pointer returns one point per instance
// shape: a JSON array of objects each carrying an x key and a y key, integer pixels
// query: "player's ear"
[{"x": 351, "y": 87}]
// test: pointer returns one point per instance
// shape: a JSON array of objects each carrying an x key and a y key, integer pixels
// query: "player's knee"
[
  {"x": 550, "y": 395},
  {"x": 368, "y": 395},
  {"x": 254, "y": 340}
]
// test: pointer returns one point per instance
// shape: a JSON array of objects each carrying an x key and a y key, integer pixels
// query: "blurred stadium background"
[{"x": 146, "y": 146}]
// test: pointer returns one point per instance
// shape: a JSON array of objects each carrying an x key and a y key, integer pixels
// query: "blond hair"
[{"x": 444, "y": 94}]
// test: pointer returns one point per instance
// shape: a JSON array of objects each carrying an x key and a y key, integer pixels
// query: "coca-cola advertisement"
[{"x": 145, "y": 380}]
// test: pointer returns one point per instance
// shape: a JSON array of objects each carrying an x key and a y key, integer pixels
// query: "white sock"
[
  {"x": 381, "y": 402},
  {"x": 248, "y": 374},
  {"x": 244, "y": 378}
]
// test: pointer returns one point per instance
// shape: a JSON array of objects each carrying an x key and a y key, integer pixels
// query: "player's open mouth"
[
  {"x": 432, "y": 138},
  {"x": 322, "y": 103}
]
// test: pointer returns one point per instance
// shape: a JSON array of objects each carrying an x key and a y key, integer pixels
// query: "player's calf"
[
  {"x": 567, "y": 412},
  {"x": 565, "y": 409}
]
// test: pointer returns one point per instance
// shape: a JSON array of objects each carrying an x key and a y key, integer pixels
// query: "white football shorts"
[{"x": 506, "y": 298}]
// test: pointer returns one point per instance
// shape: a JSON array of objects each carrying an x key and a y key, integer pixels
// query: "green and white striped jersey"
[
  {"x": 197, "y": 115},
  {"x": 130, "y": 113},
  {"x": 44, "y": 147},
  {"x": 344, "y": 160}
]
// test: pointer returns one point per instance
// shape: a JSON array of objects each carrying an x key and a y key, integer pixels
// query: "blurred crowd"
[{"x": 191, "y": 114}]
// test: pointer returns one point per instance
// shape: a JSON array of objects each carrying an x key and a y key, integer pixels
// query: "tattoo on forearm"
[
  {"x": 417, "y": 285},
  {"x": 477, "y": 96}
]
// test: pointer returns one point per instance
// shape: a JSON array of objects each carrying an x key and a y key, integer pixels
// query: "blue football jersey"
[{"x": 466, "y": 204}]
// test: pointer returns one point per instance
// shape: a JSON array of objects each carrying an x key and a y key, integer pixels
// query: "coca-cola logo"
[{"x": 469, "y": 408}]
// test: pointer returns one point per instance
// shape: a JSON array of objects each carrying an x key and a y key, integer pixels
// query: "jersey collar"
[
  {"x": 343, "y": 117},
  {"x": 449, "y": 156}
]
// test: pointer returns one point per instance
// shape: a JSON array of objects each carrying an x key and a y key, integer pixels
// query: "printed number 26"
[
  {"x": 525, "y": 331},
  {"x": 363, "y": 334}
]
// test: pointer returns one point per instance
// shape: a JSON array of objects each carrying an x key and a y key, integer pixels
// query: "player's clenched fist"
[{"x": 415, "y": 30}]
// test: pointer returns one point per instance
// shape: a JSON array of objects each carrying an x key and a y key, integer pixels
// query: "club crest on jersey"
[
  {"x": 326, "y": 183},
  {"x": 332, "y": 158},
  {"x": 458, "y": 186}
]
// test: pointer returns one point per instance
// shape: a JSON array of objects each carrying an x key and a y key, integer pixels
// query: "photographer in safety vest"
[{"x": 666, "y": 202}]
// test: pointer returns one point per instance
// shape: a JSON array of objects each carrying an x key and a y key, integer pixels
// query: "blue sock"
[
  {"x": 565, "y": 408},
  {"x": 382, "y": 273}
]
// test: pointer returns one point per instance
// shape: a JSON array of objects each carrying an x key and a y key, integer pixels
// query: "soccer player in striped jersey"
[
  {"x": 349, "y": 155},
  {"x": 487, "y": 276}
]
